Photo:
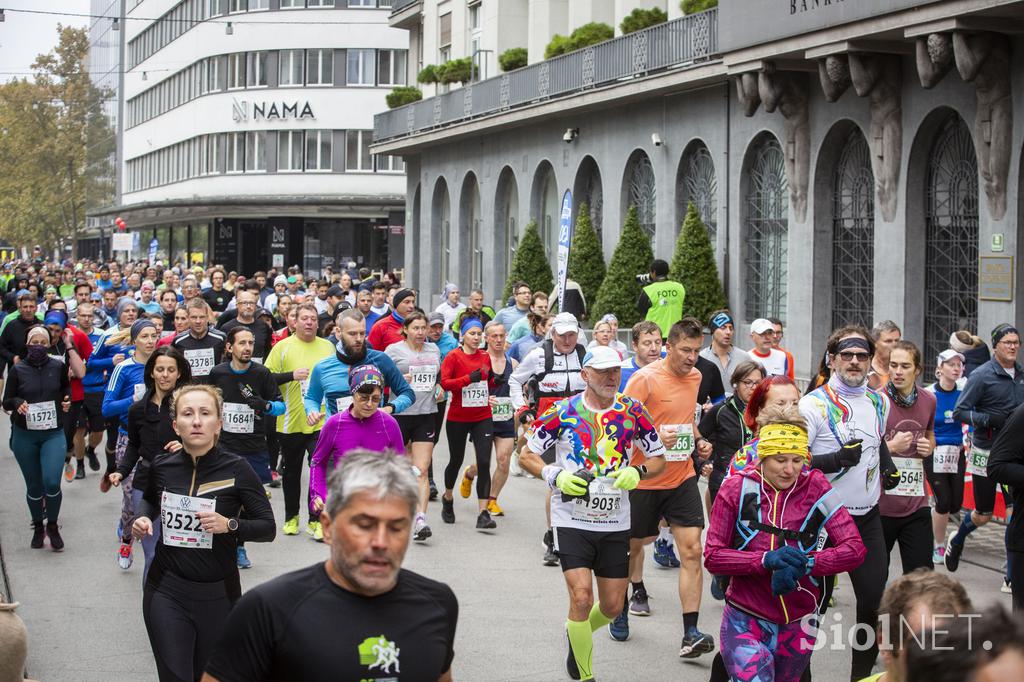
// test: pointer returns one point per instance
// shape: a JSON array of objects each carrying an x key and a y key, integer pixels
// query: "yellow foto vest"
[{"x": 666, "y": 303}]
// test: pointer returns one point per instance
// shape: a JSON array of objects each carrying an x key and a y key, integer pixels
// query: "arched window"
[
  {"x": 698, "y": 184},
  {"x": 766, "y": 228},
  {"x": 951, "y": 236},
  {"x": 506, "y": 213},
  {"x": 588, "y": 190},
  {"x": 643, "y": 192},
  {"x": 853, "y": 234},
  {"x": 471, "y": 226},
  {"x": 442, "y": 221}
]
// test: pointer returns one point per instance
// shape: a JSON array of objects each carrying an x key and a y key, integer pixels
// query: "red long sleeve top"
[{"x": 455, "y": 370}]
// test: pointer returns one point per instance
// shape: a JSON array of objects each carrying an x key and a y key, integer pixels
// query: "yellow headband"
[{"x": 782, "y": 439}]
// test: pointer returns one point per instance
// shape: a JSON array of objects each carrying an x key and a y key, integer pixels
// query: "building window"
[
  {"x": 290, "y": 67},
  {"x": 474, "y": 17},
  {"x": 319, "y": 67},
  {"x": 357, "y": 153},
  {"x": 236, "y": 70},
  {"x": 444, "y": 37},
  {"x": 289, "y": 150},
  {"x": 318, "y": 150},
  {"x": 217, "y": 7},
  {"x": 256, "y": 69},
  {"x": 258, "y": 5},
  {"x": 212, "y": 74},
  {"x": 319, "y": 3},
  {"x": 391, "y": 67},
  {"x": 292, "y": 4},
  {"x": 235, "y": 153},
  {"x": 362, "y": 3},
  {"x": 766, "y": 231},
  {"x": 360, "y": 67},
  {"x": 390, "y": 164},
  {"x": 853, "y": 235},
  {"x": 256, "y": 150},
  {"x": 237, "y": 5},
  {"x": 643, "y": 193}
]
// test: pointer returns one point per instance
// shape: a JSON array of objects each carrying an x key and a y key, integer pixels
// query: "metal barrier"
[{"x": 674, "y": 44}]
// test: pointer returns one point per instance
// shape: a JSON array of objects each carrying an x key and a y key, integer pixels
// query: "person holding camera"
[{"x": 661, "y": 300}]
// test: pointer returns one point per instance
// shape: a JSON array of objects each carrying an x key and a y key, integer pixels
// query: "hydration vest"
[
  {"x": 811, "y": 535},
  {"x": 544, "y": 396}
]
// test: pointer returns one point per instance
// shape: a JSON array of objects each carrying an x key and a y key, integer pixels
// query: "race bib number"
[
  {"x": 41, "y": 416},
  {"x": 475, "y": 395},
  {"x": 303, "y": 387},
  {"x": 501, "y": 411},
  {"x": 179, "y": 516},
  {"x": 911, "y": 477},
  {"x": 680, "y": 452},
  {"x": 946, "y": 459},
  {"x": 238, "y": 418},
  {"x": 977, "y": 461},
  {"x": 201, "y": 361},
  {"x": 603, "y": 504},
  {"x": 424, "y": 378},
  {"x": 138, "y": 391},
  {"x": 342, "y": 404}
]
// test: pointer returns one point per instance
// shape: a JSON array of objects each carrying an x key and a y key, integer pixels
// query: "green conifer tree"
[
  {"x": 530, "y": 264},
  {"x": 586, "y": 262},
  {"x": 693, "y": 265},
  {"x": 619, "y": 291}
]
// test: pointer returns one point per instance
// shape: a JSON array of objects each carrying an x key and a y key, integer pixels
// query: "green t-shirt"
[{"x": 287, "y": 356}]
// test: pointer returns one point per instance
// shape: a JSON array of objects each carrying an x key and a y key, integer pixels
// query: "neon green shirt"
[{"x": 287, "y": 356}]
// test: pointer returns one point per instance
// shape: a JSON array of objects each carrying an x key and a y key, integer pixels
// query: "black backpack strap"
[{"x": 549, "y": 359}]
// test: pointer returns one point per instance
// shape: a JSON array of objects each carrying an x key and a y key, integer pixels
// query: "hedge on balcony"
[
  {"x": 402, "y": 95},
  {"x": 584, "y": 36},
  {"x": 428, "y": 74},
  {"x": 642, "y": 18},
  {"x": 694, "y": 6},
  {"x": 512, "y": 59}
]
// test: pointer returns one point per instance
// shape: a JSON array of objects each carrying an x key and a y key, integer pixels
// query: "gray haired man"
[{"x": 377, "y": 617}]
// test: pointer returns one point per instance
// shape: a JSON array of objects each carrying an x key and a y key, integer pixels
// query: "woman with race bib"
[
  {"x": 198, "y": 492},
  {"x": 150, "y": 431},
  {"x": 127, "y": 385},
  {"x": 946, "y": 467},
  {"x": 37, "y": 394},
  {"x": 465, "y": 372},
  {"x": 910, "y": 437},
  {"x": 419, "y": 361}
]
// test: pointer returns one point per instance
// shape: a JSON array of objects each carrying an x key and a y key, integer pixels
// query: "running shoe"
[
  {"x": 433, "y": 491},
  {"x": 275, "y": 480},
  {"x": 939, "y": 555},
  {"x": 80, "y": 470},
  {"x": 1007, "y": 587},
  {"x": 94, "y": 461},
  {"x": 291, "y": 526},
  {"x": 314, "y": 530},
  {"x": 69, "y": 470},
  {"x": 447, "y": 510},
  {"x": 484, "y": 521},
  {"x": 953, "y": 552},
  {"x": 696, "y": 643},
  {"x": 466, "y": 487},
  {"x": 105, "y": 482},
  {"x": 494, "y": 509},
  {"x": 124, "y": 556},
  {"x": 56, "y": 541},
  {"x": 570, "y": 660},
  {"x": 513, "y": 466},
  {"x": 550, "y": 557},
  {"x": 638, "y": 603},
  {"x": 618, "y": 629},
  {"x": 665, "y": 554},
  {"x": 420, "y": 530},
  {"x": 718, "y": 587},
  {"x": 242, "y": 559},
  {"x": 38, "y": 535}
]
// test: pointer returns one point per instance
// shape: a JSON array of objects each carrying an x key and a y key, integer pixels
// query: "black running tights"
[{"x": 482, "y": 435}]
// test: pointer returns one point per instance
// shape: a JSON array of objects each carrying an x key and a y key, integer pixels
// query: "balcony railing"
[
  {"x": 399, "y": 5},
  {"x": 678, "y": 43}
]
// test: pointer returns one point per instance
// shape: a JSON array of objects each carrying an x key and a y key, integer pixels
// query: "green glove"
[
  {"x": 570, "y": 484},
  {"x": 625, "y": 479}
]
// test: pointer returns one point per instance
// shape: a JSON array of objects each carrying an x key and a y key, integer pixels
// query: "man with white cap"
[
  {"x": 549, "y": 373},
  {"x": 945, "y": 468},
  {"x": 593, "y": 471},
  {"x": 775, "y": 362},
  {"x": 280, "y": 288}
]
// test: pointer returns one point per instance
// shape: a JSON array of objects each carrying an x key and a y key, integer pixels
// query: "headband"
[
  {"x": 58, "y": 317},
  {"x": 364, "y": 374},
  {"x": 852, "y": 342},
  {"x": 782, "y": 439},
  {"x": 719, "y": 321},
  {"x": 1002, "y": 330},
  {"x": 400, "y": 296},
  {"x": 469, "y": 323},
  {"x": 139, "y": 325}
]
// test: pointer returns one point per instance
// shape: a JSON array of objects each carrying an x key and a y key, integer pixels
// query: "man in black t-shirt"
[
  {"x": 202, "y": 345},
  {"x": 357, "y": 616},
  {"x": 246, "y": 317}
]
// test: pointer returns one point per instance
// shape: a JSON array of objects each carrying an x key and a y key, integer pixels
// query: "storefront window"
[
  {"x": 179, "y": 244},
  {"x": 200, "y": 244}
]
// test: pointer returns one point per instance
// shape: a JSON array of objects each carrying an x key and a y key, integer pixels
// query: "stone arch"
[
  {"x": 545, "y": 205},
  {"x": 697, "y": 181},
  {"x": 506, "y": 221},
  {"x": 441, "y": 225},
  {"x": 589, "y": 189},
  {"x": 765, "y": 229},
  {"x": 640, "y": 189},
  {"x": 471, "y": 253}
]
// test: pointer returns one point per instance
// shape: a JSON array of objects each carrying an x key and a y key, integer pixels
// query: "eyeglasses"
[
  {"x": 749, "y": 383},
  {"x": 847, "y": 356},
  {"x": 1010, "y": 343}
]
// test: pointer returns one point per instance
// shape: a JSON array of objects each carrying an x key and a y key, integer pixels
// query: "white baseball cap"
[
  {"x": 761, "y": 325},
  {"x": 602, "y": 357},
  {"x": 280, "y": 279},
  {"x": 949, "y": 354},
  {"x": 565, "y": 323}
]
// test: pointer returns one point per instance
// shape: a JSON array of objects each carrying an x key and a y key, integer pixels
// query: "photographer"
[{"x": 661, "y": 300}]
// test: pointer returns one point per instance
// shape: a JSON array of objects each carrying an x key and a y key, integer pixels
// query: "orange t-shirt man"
[{"x": 671, "y": 399}]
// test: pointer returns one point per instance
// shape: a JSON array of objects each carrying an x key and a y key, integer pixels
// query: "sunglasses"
[{"x": 847, "y": 356}]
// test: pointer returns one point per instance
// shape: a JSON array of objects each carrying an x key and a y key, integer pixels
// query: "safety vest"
[
  {"x": 666, "y": 303},
  {"x": 811, "y": 536}
]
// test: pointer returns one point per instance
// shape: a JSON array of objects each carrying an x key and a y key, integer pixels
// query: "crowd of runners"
[{"x": 204, "y": 390}]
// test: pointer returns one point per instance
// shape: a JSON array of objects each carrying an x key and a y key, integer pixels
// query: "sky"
[{"x": 24, "y": 36}]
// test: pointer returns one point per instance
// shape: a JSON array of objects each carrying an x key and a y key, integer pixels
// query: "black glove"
[
  {"x": 524, "y": 413},
  {"x": 251, "y": 399},
  {"x": 475, "y": 376},
  {"x": 586, "y": 476},
  {"x": 996, "y": 421},
  {"x": 849, "y": 454},
  {"x": 890, "y": 478}
]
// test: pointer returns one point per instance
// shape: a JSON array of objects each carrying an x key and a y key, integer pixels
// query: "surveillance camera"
[
  {"x": 570, "y": 135},
  {"x": 656, "y": 139}
]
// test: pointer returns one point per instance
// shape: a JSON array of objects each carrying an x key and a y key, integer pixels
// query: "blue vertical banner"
[
  {"x": 564, "y": 241},
  {"x": 153, "y": 244}
]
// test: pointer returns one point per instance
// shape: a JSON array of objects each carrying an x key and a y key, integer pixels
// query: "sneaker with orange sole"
[{"x": 466, "y": 487}]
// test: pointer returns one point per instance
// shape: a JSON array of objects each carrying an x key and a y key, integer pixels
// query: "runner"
[
  {"x": 669, "y": 389},
  {"x": 450, "y": 305},
  {"x": 179, "y": 325},
  {"x": 70, "y": 346},
  {"x": 251, "y": 397},
  {"x": 419, "y": 361},
  {"x": 762, "y": 333},
  {"x": 604, "y": 336},
  {"x": 945, "y": 468},
  {"x": 37, "y": 394},
  {"x": 94, "y": 383},
  {"x": 246, "y": 302},
  {"x": 150, "y": 432},
  {"x": 388, "y": 329},
  {"x": 466, "y": 372},
  {"x": 438, "y": 334},
  {"x": 725, "y": 427},
  {"x": 645, "y": 337},
  {"x": 550, "y": 373},
  {"x": 168, "y": 307},
  {"x": 202, "y": 345},
  {"x": 593, "y": 435},
  {"x": 475, "y": 308},
  {"x": 537, "y": 326},
  {"x": 127, "y": 385},
  {"x": 910, "y": 438},
  {"x": 198, "y": 493},
  {"x": 538, "y": 306},
  {"x": 522, "y": 296},
  {"x": 764, "y": 534},
  {"x": 885, "y": 334},
  {"x": 501, "y": 415}
]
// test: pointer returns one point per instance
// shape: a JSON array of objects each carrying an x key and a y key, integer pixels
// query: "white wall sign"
[{"x": 243, "y": 111}]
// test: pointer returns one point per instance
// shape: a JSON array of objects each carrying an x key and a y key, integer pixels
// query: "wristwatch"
[{"x": 232, "y": 525}]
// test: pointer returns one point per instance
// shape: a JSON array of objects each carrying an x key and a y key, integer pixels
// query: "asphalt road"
[{"x": 84, "y": 614}]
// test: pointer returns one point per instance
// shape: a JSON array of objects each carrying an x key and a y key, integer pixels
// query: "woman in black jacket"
[
  {"x": 37, "y": 394},
  {"x": 199, "y": 493},
  {"x": 151, "y": 432}
]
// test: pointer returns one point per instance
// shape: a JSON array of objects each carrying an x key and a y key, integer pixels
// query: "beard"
[
  {"x": 851, "y": 380},
  {"x": 356, "y": 355}
]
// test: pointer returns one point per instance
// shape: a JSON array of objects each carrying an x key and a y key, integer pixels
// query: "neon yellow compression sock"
[
  {"x": 582, "y": 646},
  {"x": 597, "y": 619}
]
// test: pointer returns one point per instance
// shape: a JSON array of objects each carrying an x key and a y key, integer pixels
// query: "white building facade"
[{"x": 246, "y": 132}]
